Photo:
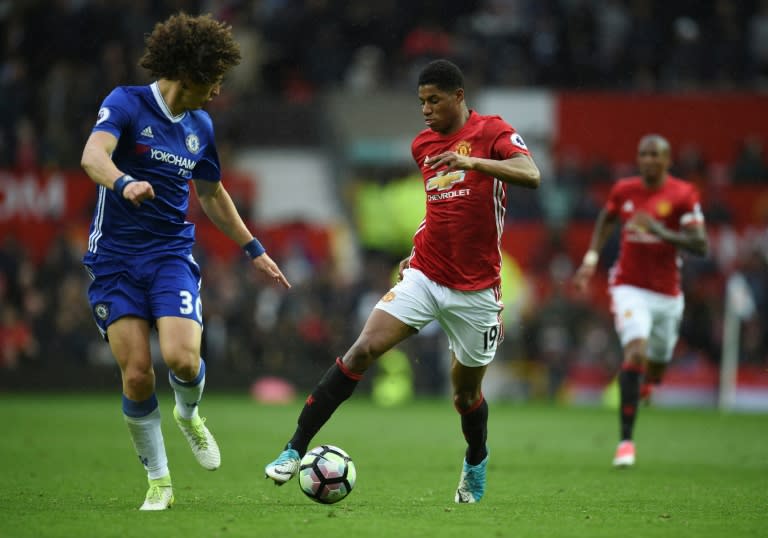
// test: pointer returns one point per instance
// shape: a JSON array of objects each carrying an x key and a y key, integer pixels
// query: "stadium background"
[{"x": 314, "y": 130}]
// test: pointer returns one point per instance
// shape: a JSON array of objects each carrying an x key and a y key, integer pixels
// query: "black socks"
[
  {"x": 629, "y": 385},
  {"x": 474, "y": 425},
  {"x": 336, "y": 385}
]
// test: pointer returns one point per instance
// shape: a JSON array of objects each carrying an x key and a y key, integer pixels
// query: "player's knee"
[
  {"x": 184, "y": 364},
  {"x": 634, "y": 356},
  {"x": 463, "y": 401},
  {"x": 634, "y": 360},
  {"x": 138, "y": 382},
  {"x": 361, "y": 355}
]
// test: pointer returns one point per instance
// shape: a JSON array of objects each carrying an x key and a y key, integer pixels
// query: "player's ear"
[{"x": 186, "y": 84}]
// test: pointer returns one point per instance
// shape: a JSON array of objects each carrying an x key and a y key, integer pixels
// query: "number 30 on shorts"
[
  {"x": 490, "y": 338},
  {"x": 187, "y": 307}
]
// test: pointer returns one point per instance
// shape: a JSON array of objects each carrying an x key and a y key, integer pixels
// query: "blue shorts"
[{"x": 148, "y": 287}]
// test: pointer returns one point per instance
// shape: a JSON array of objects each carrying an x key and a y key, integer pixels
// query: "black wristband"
[
  {"x": 119, "y": 185},
  {"x": 253, "y": 248}
]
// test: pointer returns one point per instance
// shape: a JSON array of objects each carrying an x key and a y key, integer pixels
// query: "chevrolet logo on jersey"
[{"x": 444, "y": 181}]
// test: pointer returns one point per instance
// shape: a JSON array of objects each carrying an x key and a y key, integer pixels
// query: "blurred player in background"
[
  {"x": 148, "y": 142},
  {"x": 660, "y": 214},
  {"x": 452, "y": 274}
]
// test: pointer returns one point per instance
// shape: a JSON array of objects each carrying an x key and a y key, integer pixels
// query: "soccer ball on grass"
[{"x": 327, "y": 474}]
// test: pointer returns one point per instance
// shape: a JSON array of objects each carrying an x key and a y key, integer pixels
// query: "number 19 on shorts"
[{"x": 490, "y": 338}]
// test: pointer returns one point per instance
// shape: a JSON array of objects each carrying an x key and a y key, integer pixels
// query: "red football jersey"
[
  {"x": 458, "y": 244},
  {"x": 645, "y": 260}
]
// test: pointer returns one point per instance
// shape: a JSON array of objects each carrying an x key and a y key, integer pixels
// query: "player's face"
[
  {"x": 196, "y": 95},
  {"x": 652, "y": 160},
  {"x": 441, "y": 109}
]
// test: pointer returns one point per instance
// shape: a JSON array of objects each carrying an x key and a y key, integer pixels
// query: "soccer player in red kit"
[
  {"x": 452, "y": 274},
  {"x": 660, "y": 214}
]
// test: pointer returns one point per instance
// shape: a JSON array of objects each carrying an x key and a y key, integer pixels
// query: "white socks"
[
  {"x": 188, "y": 393},
  {"x": 147, "y": 436}
]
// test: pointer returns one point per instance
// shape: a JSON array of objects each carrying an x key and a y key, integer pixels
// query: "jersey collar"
[{"x": 163, "y": 105}]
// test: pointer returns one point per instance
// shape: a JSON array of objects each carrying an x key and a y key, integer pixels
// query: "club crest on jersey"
[
  {"x": 388, "y": 297},
  {"x": 193, "y": 143},
  {"x": 628, "y": 207},
  {"x": 102, "y": 311},
  {"x": 663, "y": 208},
  {"x": 103, "y": 115},
  {"x": 463, "y": 148},
  {"x": 442, "y": 182}
]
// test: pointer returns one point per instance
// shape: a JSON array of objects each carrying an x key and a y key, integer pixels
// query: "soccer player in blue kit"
[{"x": 148, "y": 142}]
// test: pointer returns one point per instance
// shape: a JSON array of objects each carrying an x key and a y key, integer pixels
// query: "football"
[{"x": 327, "y": 474}]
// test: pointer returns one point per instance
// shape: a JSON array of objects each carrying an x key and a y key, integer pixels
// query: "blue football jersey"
[{"x": 163, "y": 149}]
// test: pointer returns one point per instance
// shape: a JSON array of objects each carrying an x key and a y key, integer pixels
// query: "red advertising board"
[{"x": 609, "y": 125}]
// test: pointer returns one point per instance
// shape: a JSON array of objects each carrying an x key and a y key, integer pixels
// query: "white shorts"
[
  {"x": 471, "y": 319},
  {"x": 654, "y": 317}
]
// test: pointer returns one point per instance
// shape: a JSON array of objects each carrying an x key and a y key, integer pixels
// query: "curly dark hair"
[
  {"x": 195, "y": 49},
  {"x": 442, "y": 73}
]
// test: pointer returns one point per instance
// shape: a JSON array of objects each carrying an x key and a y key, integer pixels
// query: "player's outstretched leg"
[
  {"x": 284, "y": 467},
  {"x": 159, "y": 495},
  {"x": 188, "y": 395},
  {"x": 334, "y": 387},
  {"x": 472, "y": 482}
]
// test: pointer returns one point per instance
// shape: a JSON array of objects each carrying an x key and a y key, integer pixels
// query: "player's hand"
[
  {"x": 643, "y": 222},
  {"x": 266, "y": 265},
  {"x": 583, "y": 275},
  {"x": 404, "y": 263},
  {"x": 138, "y": 191},
  {"x": 450, "y": 160}
]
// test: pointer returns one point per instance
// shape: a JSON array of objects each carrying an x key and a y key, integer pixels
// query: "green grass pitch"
[{"x": 67, "y": 469}]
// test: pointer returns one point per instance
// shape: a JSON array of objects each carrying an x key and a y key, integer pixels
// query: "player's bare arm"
[
  {"x": 691, "y": 238},
  {"x": 404, "y": 264},
  {"x": 97, "y": 163},
  {"x": 518, "y": 170},
  {"x": 218, "y": 206},
  {"x": 604, "y": 227}
]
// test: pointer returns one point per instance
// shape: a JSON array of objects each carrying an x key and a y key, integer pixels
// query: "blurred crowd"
[
  {"x": 253, "y": 329},
  {"x": 59, "y": 58}
]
